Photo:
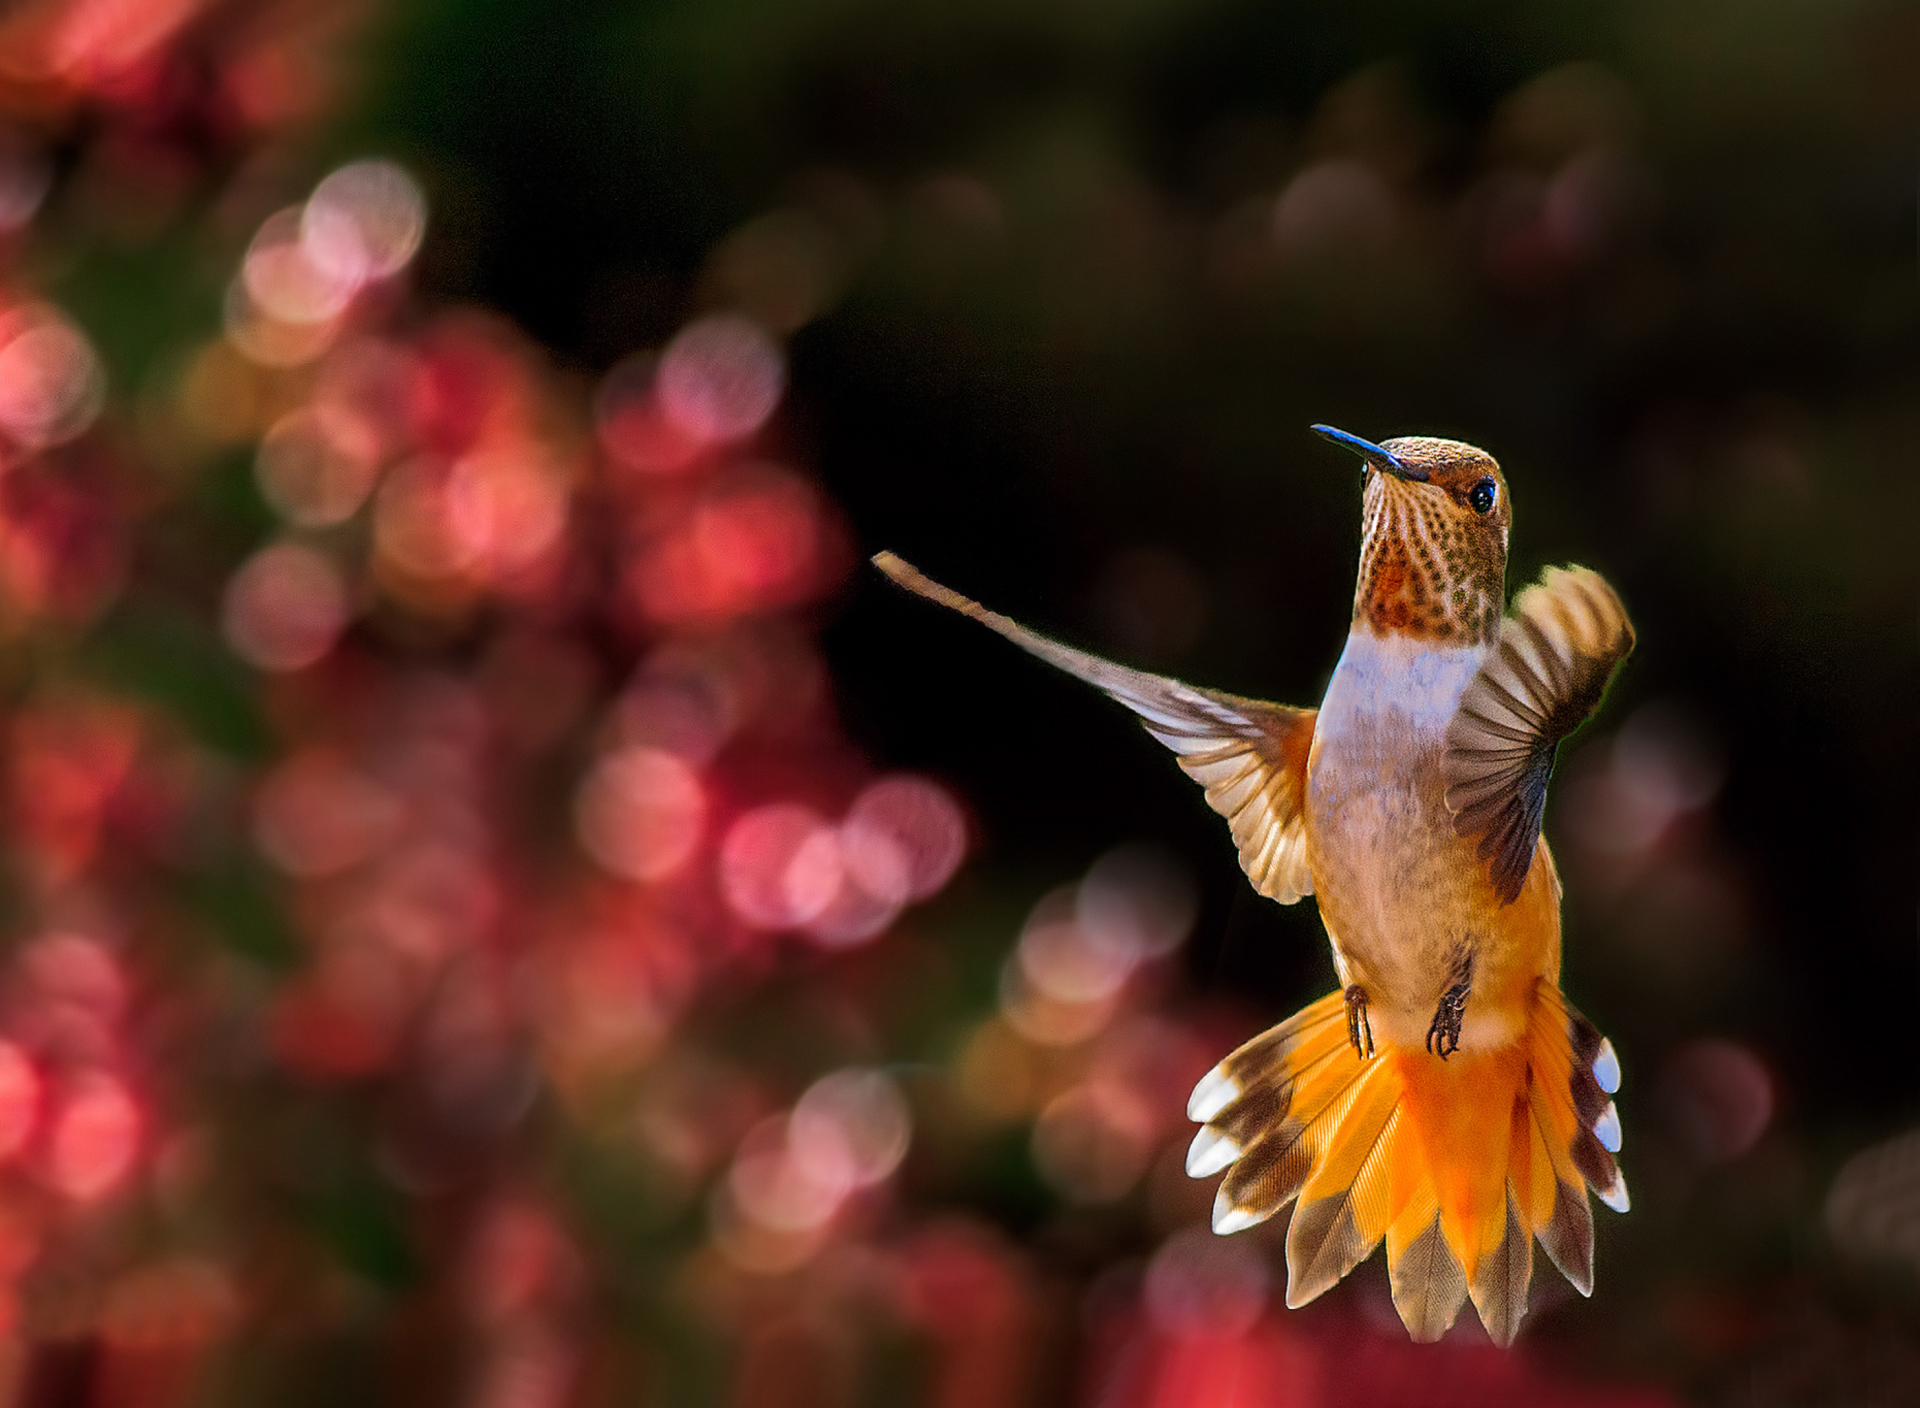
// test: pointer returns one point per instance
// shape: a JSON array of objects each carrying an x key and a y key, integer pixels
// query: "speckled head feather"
[{"x": 1433, "y": 555}]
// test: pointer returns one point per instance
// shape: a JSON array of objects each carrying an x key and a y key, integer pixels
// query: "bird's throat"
[{"x": 1426, "y": 576}]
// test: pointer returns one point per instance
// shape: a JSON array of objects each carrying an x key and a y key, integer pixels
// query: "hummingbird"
[{"x": 1445, "y": 1097}]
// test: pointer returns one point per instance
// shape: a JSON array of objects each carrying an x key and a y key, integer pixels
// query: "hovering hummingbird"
[{"x": 1447, "y": 1098}]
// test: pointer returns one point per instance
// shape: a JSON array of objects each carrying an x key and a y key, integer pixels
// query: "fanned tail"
[{"x": 1459, "y": 1165}]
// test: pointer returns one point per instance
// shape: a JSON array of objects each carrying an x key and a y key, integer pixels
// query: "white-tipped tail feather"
[
  {"x": 1210, "y": 1152},
  {"x": 1614, "y": 1195},
  {"x": 1214, "y": 1093},
  {"x": 1228, "y": 1219},
  {"x": 1606, "y": 1069}
]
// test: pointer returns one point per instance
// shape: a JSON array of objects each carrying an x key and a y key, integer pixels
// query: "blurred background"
[{"x": 503, "y": 908}]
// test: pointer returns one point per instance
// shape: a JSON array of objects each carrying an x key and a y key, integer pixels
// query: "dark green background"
[{"x": 1719, "y": 410}]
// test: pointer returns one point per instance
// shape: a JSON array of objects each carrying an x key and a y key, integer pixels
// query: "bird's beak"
[{"x": 1373, "y": 454}]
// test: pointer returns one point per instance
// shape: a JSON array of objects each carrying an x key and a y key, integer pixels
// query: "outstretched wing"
[
  {"x": 1251, "y": 757},
  {"x": 1540, "y": 681}
]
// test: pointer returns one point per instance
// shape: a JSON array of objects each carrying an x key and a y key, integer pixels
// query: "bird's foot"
[
  {"x": 1359, "y": 1029},
  {"x": 1443, "y": 1037}
]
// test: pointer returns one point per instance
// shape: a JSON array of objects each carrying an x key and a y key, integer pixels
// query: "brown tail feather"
[
  {"x": 1406, "y": 1147},
  {"x": 1344, "y": 1204},
  {"x": 1504, "y": 1277},
  {"x": 1428, "y": 1285}
]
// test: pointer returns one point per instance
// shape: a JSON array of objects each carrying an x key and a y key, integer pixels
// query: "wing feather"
[
  {"x": 1541, "y": 680},
  {"x": 1249, "y": 756}
]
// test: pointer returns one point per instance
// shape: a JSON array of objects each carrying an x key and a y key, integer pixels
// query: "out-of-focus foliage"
[{"x": 498, "y": 910}]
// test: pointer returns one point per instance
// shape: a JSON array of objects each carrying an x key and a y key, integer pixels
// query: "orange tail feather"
[{"x": 1457, "y": 1164}]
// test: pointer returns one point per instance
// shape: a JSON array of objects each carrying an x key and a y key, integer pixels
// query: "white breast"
[
  {"x": 1396, "y": 680},
  {"x": 1378, "y": 825}
]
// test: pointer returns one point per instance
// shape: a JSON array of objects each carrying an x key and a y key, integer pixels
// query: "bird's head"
[{"x": 1433, "y": 551}]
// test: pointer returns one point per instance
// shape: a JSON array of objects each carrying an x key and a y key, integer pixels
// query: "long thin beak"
[{"x": 1373, "y": 454}]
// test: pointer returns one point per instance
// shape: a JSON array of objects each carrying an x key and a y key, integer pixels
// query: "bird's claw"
[
  {"x": 1443, "y": 1037},
  {"x": 1358, "y": 1027}
]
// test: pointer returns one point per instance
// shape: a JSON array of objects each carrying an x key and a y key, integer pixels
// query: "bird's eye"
[{"x": 1481, "y": 496}]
